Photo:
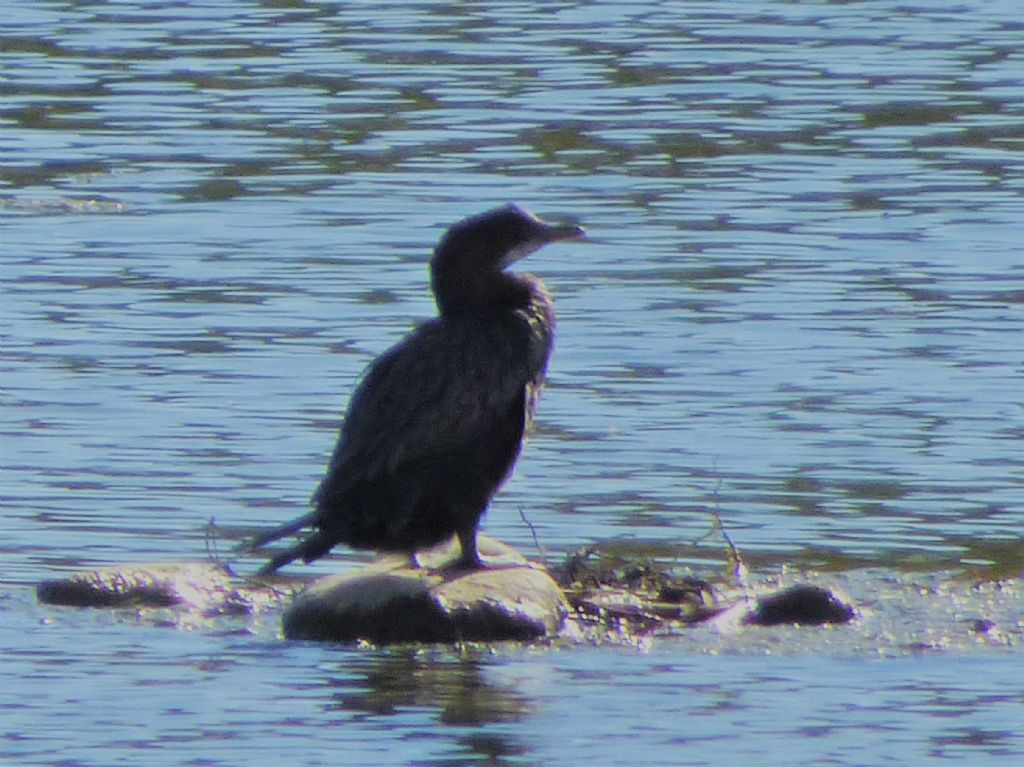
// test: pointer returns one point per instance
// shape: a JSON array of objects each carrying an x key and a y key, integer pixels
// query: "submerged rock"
[
  {"x": 194, "y": 584},
  {"x": 388, "y": 602},
  {"x": 802, "y": 604},
  {"x": 190, "y": 588}
]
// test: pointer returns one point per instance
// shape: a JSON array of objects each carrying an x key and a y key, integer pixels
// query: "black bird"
[{"x": 437, "y": 422}]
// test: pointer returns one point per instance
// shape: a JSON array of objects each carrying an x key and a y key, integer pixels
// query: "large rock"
[{"x": 389, "y": 602}]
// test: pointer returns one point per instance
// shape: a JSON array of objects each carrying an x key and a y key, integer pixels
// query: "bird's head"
[
  {"x": 499, "y": 237},
  {"x": 466, "y": 272}
]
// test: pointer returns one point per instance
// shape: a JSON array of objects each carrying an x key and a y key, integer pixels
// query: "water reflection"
[
  {"x": 455, "y": 685},
  {"x": 452, "y": 690}
]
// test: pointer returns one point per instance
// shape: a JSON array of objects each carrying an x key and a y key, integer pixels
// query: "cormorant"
[{"x": 437, "y": 422}]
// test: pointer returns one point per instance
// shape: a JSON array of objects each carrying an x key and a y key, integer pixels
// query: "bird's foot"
[{"x": 463, "y": 564}]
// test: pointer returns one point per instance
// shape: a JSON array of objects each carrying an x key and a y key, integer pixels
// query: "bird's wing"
[{"x": 441, "y": 387}]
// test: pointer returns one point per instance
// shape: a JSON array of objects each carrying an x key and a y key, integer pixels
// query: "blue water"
[
  {"x": 155, "y": 696},
  {"x": 800, "y": 305}
]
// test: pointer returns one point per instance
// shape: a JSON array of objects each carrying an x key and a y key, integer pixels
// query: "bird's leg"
[{"x": 470, "y": 559}]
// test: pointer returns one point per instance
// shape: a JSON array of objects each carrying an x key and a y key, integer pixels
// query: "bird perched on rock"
[{"x": 438, "y": 421}]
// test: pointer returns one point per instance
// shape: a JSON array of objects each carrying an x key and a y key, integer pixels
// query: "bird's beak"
[
  {"x": 556, "y": 233},
  {"x": 546, "y": 233}
]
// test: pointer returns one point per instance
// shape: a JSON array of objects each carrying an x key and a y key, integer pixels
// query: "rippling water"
[{"x": 801, "y": 304}]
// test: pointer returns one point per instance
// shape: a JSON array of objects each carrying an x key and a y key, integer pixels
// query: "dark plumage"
[{"x": 437, "y": 422}]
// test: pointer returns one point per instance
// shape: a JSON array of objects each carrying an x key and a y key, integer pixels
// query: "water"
[{"x": 800, "y": 304}]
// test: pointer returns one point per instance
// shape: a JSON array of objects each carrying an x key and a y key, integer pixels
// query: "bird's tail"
[
  {"x": 273, "y": 534},
  {"x": 312, "y": 547}
]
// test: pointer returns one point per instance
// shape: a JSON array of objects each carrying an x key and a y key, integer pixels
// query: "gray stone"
[{"x": 388, "y": 601}]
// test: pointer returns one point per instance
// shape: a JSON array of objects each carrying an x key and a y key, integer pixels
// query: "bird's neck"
[{"x": 478, "y": 292}]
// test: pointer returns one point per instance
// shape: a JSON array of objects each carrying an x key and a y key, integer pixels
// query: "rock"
[
  {"x": 803, "y": 604},
  {"x": 389, "y": 602},
  {"x": 194, "y": 584}
]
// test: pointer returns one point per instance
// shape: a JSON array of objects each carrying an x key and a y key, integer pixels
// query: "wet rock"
[
  {"x": 803, "y": 604},
  {"x": 388, "y": 602},
  {"x": 194, "y": 584}
]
